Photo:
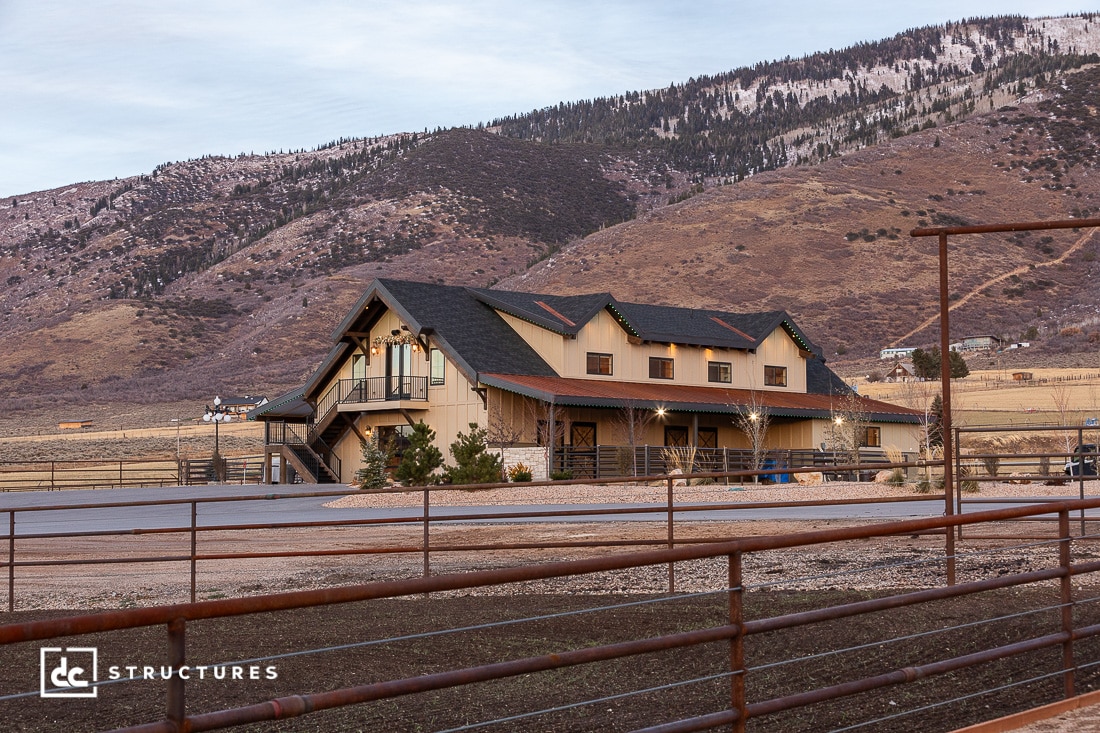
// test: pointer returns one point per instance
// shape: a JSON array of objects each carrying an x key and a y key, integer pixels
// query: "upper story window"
[
  {"x": 719, "y": 371},
  {"x": 599, "y": 363},
  {"x": 775, "y": 376},
  {"x": 660, "y": 368},
  {"x": 439, "y": 368}
]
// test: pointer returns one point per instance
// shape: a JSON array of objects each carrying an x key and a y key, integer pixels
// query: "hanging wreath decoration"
[
  {"x": 404, "y": 338},
  {"x": 391, "y": 340}
]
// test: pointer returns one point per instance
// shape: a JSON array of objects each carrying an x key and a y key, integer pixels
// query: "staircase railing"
[{"x": 302, "y": 435}]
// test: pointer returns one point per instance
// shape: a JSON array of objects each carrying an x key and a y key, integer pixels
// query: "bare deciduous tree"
[
  {"x": 921, "y": 396},
  {"x": 848, "y": 427},
  {"x": 500, "y": 431},
  {"x": 1059, "y": 394},
  {"x": 630, "y": 424},
  {"x": 754, "y": 419},
  {"x": 549, "y": 424}
]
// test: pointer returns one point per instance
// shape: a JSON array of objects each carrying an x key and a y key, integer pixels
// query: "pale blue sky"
[{"x": 103, "y": 89}]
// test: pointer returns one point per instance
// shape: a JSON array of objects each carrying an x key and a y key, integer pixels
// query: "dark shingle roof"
[
  {"x": 820, "y": 379},
  {"x": 473, "y": 331},
  {"x": 465, "y": 323},
  {"x": 565, "y": 314},
  {"x": 690, "y": 326}
]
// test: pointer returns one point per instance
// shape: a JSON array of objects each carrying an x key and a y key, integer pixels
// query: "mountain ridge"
[{"x": 227, "y": 274}]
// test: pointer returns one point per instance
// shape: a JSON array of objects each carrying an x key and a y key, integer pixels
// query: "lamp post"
[{"x": 217, "y": 415}]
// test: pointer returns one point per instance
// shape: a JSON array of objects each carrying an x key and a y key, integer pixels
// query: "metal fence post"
[
  {"x": 177, "y": 655},
  {"x": 1081, "y": 472},
  {"x": 671, "y": 540},
  {"x": 11, "y": 560},
  {"x": 194, "y": 544},
  {"x": 427, "y": 524},
  {"x": 1066, "y": 587},
  {"x": 737, "y": 643}
]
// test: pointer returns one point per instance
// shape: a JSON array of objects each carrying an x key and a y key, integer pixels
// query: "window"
[
  {"x": 439, "y": 368},
  {"x": 775, "y": 376},
  {"x": 599, "y": 363},
  {"x": 358, "y": 366},
  {"x": 660, "y": 368},
  {"x": 719, "y": 371},
  {"x": 872, "y": 438}
]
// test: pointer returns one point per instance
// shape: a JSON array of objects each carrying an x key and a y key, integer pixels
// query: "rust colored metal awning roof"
[{"x": 686, "y": 398}]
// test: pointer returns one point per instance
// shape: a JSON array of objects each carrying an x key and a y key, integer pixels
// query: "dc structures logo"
[{"x": 69, "y": 671}]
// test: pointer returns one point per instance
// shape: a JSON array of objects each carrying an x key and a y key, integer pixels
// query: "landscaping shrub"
[
  {"x": 420, "y": 459},
  {"x": 473, "y": 463},
  {"x": 520, "y": 473},
  {"x": 375, "y": 458}
]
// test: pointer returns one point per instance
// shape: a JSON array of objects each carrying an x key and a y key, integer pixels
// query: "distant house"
[
  {"x": 554, "y": 374},
  {"x": 903, "y": 371},
  {"x": 1022, "y": 376},
  {"x": 241, "y": 406},
  {"x": 74, "y": 425},
  {"x": 979, "y": 343},
  {"x": 898, "y": 352}
]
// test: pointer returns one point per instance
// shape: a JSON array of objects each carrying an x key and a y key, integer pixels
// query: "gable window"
[
  {"x": 775, "y": 376},
  {"x": 439, "y": 368},
  {"x": 599, "y": 363},
  {"x": 872, "y": 438},
  {"x": 660, "y": 368},
  {"x": 719, "y": 371}
]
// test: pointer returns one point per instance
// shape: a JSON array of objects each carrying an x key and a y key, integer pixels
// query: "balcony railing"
[
  {"x": 371, "y": 389},
  {"x": 383, "y": 389}
]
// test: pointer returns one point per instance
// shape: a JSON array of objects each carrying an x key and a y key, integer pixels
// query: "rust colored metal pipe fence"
[
  {"x": 941, "y": 234},
  {"x": 736, "y": 631},
  {"x": 669, "y": 510}
]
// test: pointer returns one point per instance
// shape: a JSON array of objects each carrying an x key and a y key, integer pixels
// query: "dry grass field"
[
  {"x": 994, "y": 398},
  {"x": 190, "y": 439}
]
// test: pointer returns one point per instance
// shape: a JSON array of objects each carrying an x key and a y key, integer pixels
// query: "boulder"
[
  {"x": 812, "y": 478},
  {"x": 883, "y": 477},
  {"x": 1014, "y": 478}
]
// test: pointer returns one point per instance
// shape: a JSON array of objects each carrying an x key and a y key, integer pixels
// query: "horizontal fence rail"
[{"x": 1055, "y": 645}]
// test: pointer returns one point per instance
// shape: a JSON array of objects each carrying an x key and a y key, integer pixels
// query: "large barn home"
[{"x": 553, "y": 378}]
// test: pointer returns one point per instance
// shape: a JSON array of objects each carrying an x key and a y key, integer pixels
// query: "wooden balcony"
[{"x": 382, "y": 393}]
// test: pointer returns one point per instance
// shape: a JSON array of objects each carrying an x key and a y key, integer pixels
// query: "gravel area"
[{"x": 630, "y": 493}]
